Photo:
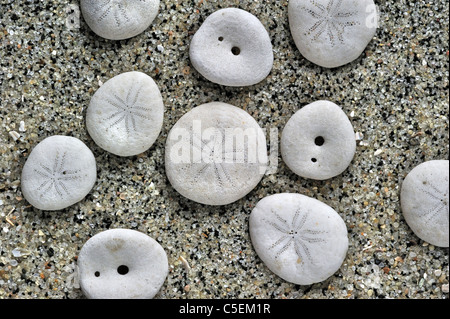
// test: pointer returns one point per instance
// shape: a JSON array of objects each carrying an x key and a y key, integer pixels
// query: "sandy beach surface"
[{"x": 395, "y": 94}]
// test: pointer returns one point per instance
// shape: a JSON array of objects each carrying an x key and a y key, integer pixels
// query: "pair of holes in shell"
[
  {"x": 234, "y": 50},
  {"x": 121, "y": 270},
  {"x": 319, "y": 141}
]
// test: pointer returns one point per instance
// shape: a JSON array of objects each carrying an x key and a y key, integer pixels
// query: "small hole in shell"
[
  {"x": 319, "y": 141},
  {"x": 122, "y": 270},
  {"x": 236, "y": 51}
]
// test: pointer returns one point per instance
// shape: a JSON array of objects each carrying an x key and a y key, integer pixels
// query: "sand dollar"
[
  {"x": 300, "y": 239},
  {"x": 126, "y": 114},
  {"x": 332, "y": 33},
  {"x": 425, "y": 201},
  {"x": 119, "y": 19},
  {"x": 59, "y": 172},
  {"x": 216, "y": 154}
]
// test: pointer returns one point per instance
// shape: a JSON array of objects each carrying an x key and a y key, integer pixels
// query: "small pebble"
[
  {"x": 445, "y": 288},
  {"x": 126, "y": 114},
  {"x": 15, "y": 136},
  {"x": 300, "y": 239},
  {"x": 59, "y": 172},
  {"x": 122, "y": 264},
  {"x": 16, "y": 253},
  {"x": 22, "y": 127},
  {"x": 207, "y": 158},
  {"x": 332, "y": 33},
  {"x": 425, "y": 201},
  {"x": 359, "y": 136},
  {"x": 318, "y": 142},
  {"x": 119, "y": 19},
  {"x": 160, "y": 48},
  {"x": 232, "y": 48}
]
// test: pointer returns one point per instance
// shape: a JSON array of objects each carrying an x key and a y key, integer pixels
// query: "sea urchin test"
[
  {"x": 126, "y": 114},
  {"x": 119, "y": 19},
  {"x": 425, "y": 201},
  {"x": 59, "y": 172},
  {"x": 332, "y": 33},
  {"x": 216, "y": 154},
  {"x": 300, "y": 239}
]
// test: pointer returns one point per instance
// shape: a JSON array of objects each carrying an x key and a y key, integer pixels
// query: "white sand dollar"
[
  {"x": 59, "y": 172},
  {"x": 126, "y": 114},
  {"x": 425, "y": 201},
  {"x": 119, "y": 19},
  {"x": 232, "y": 48},
  {"x": 332, "y": 33},
  {"x": 216, "y": 154},
  {"x": 122, "y": 264},
  {"x": 300, "y": 239},
  {"x": 318, "y": 142}
]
